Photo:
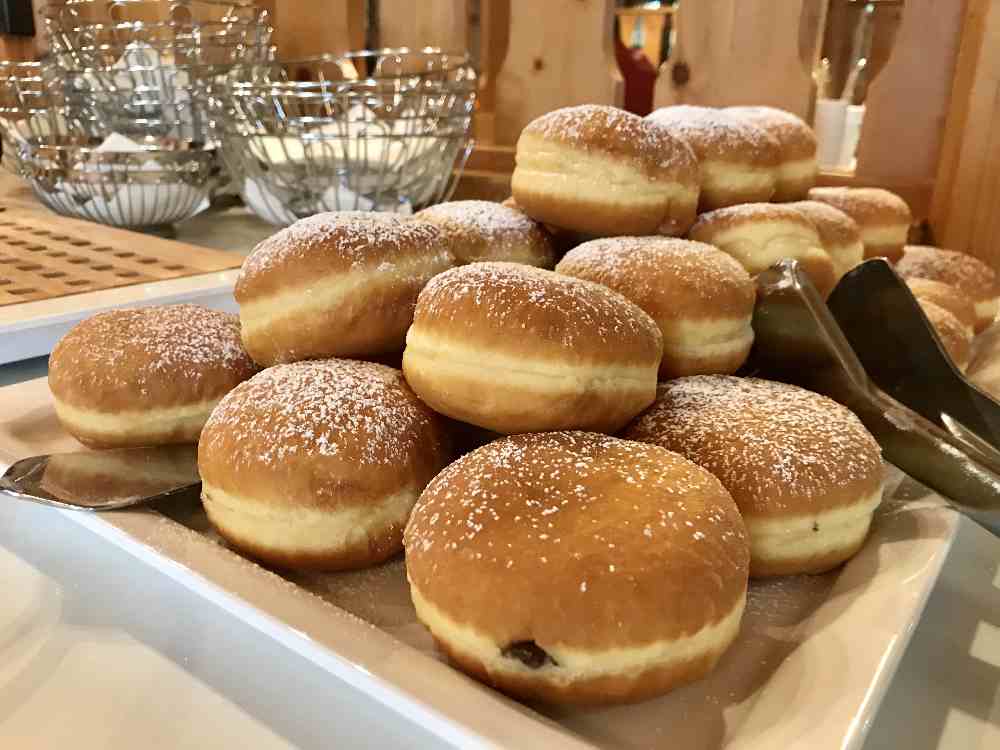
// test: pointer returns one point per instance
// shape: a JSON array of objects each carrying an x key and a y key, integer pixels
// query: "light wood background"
[{"x": 929, "y": 130}]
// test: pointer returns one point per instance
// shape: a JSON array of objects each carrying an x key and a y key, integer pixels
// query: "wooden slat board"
[{"x": 44, "y": 256}]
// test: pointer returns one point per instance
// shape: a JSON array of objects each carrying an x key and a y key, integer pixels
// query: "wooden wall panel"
[
  {"x": 428, "y": 23},
  {"x": 738, "y": 52},
  {"x": 908, "y": 100},
  {"x": 305, "y": 28},
  {"x": 559, "y": 53},
  {"x": 965, "y": 210}
]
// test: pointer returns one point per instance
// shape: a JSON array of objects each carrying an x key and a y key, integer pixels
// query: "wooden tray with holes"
[{"x": 55, "y": 271}]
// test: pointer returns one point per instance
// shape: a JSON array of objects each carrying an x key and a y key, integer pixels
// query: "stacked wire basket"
[{"x": 143, "y": 109}]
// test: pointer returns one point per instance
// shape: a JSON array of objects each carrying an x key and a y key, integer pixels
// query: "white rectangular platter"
[{"x": 813, "y": 659}]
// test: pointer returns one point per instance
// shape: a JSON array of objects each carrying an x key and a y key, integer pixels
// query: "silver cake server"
[{"x": 104, "y": 480}]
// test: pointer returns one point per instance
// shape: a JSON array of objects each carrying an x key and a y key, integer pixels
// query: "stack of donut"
[{"x": 597, "y": 546}]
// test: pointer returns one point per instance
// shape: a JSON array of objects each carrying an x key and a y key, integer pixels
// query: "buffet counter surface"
[{"x": 100, "y": 649}]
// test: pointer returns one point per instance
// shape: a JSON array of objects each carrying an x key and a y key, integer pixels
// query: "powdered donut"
[
  {"x": 485, "y": 231},
  {"x": 738, "y": 161},
  {"x": 701, "y": 298},
  {"x": 758, "y": 235},
  {"x": 578, "y": 568},
  {"x": 513, "y": 348},
  {"x": 336, "y": 285},
  {"x": 955, "y": 338},
  {"x": 604, "y": 171},
  {"x": 797, "y": 168},
  {"x": 146, "y": 376},
  {"x": 317, "y": 464},
  {"x": 948, "y": 297},
  {"x": 803, "y": 470},
  {"x": 973, "y": 278},
  {"x": 883, "y": 217},
  {"x": 838, "y": 233}
]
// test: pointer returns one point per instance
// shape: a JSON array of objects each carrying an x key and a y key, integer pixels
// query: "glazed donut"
[
  {"x": 803, "y": 470},
  {"x": 838, "y": 233},
  {"x": 336, "y": 285},
  {"x": 316, "y": 465},
  {"x": 948, "y": 297},
  {"x": 970, "y": 276},
  {"x": 955, "y": 338},
  {"x": 701, "y": 298},
  {"x": 145, "y": 376},
  {"x": 484, "y": 231},
  {"x": 797, "y": 168},
  {"x": 883, "y": 217},
  {"x": 758, "y": 235},
  {"x": 604, "y": 171},
  {"x": 737, "y": 161},
  {"x": 513, "y": 348},
  {"x": 578, "y": 568}
]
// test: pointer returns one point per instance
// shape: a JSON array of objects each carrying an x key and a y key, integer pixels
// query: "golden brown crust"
[
  {"x": 485, "y": 231},
  {"x": 969, "y": 275},
  {"x": 619, "y": 134},
  {"x": 602, "y": 690},
  {"x": 833, "y": 225},
  {"x": 671, "y": 279},
  {"x": 867, "y": 206},
  {"x": 549, "y": 537},
  {"x": 328, "y": 435},
  {"x": 385, "y": 259},
  {"x": 528, "y": 312},
  {"x": 945, "y": 296},
  {"x": 779, "y": 450},
  {"x": 713, "y": 134},
  {"x": 796, "y": 138},
  {"x": 149, "y": 358}
]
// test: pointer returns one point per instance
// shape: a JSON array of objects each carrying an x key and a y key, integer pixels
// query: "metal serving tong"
[
  {"x": 871, "y": 348},
  {"x": 104, "y": 480}
]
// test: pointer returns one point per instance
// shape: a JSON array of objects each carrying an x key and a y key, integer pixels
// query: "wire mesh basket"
[
  {"x": 98, "y": 33},
  {"x": 373, "y": 130},
  {"x": 76, "y": 168},
  {"x": 145, "y": 66}
]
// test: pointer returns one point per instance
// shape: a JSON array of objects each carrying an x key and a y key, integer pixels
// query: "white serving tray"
[
  {"x": 813, "y": 660},
  {"x": 31, "y": 329}
]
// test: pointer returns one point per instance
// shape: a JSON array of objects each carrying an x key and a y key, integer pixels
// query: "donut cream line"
[
  {"x": 714, "y": 336},
  {"x": 332, "y": 292},
  {"x": 884, "y": 234},
  {"x": 280, "y": 526},
  {"x": 456, "y": 360},
  {"x": 987, "y": 308},
  {"x": 797, "y": 169},
  {"x": 597, "y": 174},
  {"x": 791, "y": 537},
  {"x": 127, "y": 421},
  {"x": 728, "y": 175},
  {"x": 576, "y": 664},
  {"x": 761, "y": 245}
]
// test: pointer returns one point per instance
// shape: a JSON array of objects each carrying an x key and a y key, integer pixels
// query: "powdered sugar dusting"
[
  {"x": 767, "y": 442},
  {"x": 508, "y": 232},
  {"x": 790, "y": 130},
  {"x": 149, "y": 347},
  {"x": 865, "y": 205},
  {"x": 834, "y": 226},
  {"x": 361, "y": 411},
  {"x": 967, "y": 274},
  {"x": 526, "y": 301},
  {"x": 671, "y": 270},
  {"x": 596, "y": 126},
  {"x": 714, "y": 133},
  {"x": 358, "y": 237},
  {"x": 573, "y": 499}
]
